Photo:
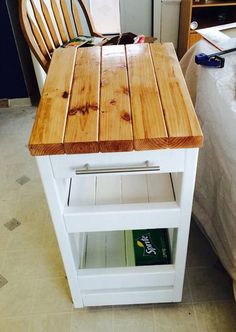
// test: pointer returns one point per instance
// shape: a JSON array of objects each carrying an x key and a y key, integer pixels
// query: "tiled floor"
[{"x": 36, "y": 296}]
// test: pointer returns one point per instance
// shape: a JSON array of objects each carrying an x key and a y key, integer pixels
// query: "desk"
[{"x": 116, "y": 140}]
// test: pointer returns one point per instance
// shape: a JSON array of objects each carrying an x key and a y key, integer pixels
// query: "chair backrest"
[{"x": 47, "y": 24}]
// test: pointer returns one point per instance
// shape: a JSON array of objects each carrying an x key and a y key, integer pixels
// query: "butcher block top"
[{"x": 114, "y": 98}]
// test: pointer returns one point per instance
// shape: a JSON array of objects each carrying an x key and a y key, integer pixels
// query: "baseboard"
[
  {"x": 3, "y": 103},
  {"x": 16, "y": 102}
]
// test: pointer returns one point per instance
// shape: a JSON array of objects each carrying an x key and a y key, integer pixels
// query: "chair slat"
[
  {"x": 39, "y": 39},
  {"x": 41, "y": 26},
  {"x": 76, "y": 17},
  {"x": 29, "y": 36},
  {"x": 59, "y": 21},
  {"x": 67, "y": 19},
  {"x": 49, "y": 23}
]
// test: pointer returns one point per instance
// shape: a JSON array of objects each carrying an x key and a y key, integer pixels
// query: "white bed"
[{"x": 214, "y": 94}]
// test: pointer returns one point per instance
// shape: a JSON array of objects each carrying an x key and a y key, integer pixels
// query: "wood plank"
[
  {"x": 115, "y": 132},
  {"x": 49, "y": 126},
  {"x": 67, "y": 19},
  {"x": 182, "y": 124},
  {"x": 39, "y": 39},
  {"x": 50, "y": 25},
  {"x": 59, "y": 22},
  {"x": 42, "y": 27},
  {"x": 148, "y": 121},
  {"x": 81, "y": 134},
  {"x": 76, "y": 17}
]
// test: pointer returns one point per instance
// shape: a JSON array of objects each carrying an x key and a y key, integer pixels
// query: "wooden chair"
[{"x": 48, "y": 24}]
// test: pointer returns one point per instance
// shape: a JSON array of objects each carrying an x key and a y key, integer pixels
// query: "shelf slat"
[
  {"x": 128, "y": 277},
  {"x": 129, "y": 296}
]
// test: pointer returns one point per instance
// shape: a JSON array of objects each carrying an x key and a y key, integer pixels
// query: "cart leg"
[
  {"x": 184, "y": 189},
  {"x": 56, "y": 206}
]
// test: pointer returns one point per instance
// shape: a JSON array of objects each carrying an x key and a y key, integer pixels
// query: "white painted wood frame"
[{"x": 100, "y": 209}]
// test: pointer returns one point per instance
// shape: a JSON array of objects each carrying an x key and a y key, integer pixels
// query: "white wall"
[{"x": 136, "y": 16}]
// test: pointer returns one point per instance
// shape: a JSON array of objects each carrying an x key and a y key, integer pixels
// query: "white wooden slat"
[
  {"x": 122, "y": 217},
  {"x": 82, "y": 191},
  {"x": 149, "y": 295},
  {"x": 105, "y": 249},
  {"x": 102, "y": 190},
  {"x": 127, "y": 278},
  {"x": 95, "y": 255},
  {"x": 159, "y": 188},
  {"x": 115, "y": 249},
  {"x": 134, "y": 189},
  {"x": 108, "y": 189}
]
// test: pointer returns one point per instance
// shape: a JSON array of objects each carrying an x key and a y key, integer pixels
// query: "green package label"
[{"x": 151, "y": 246}]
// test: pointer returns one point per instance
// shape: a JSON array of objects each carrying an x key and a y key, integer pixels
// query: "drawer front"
[{"x": 163, "y": 161}]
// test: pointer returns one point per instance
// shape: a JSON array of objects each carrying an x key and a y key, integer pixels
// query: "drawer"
[{"x": 163, "y": 161}]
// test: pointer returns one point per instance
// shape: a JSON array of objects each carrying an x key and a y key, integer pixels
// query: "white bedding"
[{"x": 214, "y": 95}]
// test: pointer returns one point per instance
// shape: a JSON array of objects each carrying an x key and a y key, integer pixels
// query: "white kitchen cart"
[{"x": 98, "y": 190}]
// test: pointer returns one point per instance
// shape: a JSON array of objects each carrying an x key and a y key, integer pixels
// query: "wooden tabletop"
[{"x": 114, "y": 98}]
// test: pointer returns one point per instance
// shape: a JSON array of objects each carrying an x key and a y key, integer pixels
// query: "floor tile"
[
  {"x": 86, "y": 320},
  {"x": 12, "y": 224},
  {"x": 187, "y": 294},
  {"x": 174, "y": 317},
  {"x": 50, "y": 263},
  {"x": 209, "y": 284},
  {"x": 26, "y": 237},
  {"x": 133, "y": 318},
  {"x": 50, "y": 323},
  {"x": 4, "y": 238},
  {"x": 51, "y": 296},
  {"x": 20, "y": 264},
  {"x": 16, "y": 297},
  {"x": 17, "y": 324},
  {"x": 200, "y": 253},
  {"x": 216, "y": 316}
]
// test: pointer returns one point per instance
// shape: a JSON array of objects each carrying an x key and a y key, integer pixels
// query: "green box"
[{"x": 151, "y": 247}]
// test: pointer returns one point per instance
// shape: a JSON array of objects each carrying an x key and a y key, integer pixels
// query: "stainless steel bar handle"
[{"x": 126, "y": 169}]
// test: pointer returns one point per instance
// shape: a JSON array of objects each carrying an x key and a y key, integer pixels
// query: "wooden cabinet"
[{"x": 206, "y": 13}]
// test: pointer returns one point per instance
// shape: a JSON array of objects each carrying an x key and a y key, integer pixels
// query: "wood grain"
[
  {"x": 181, "y": 121},
  {"x": 81, "y": 134},
  {"x": 39, "y": 40},
  {"x": 67, "y": 19},
  {"x": 76, "y": 17},
  {"x": 115, "y": 116},
  {"x": 50, "y": 25},
  {"x": 49, "y": 127},
  {"x": 149, "y": 128},
  {"x": 59, "y": 22},
  {"x": 114, "y": 98},
  {"x": 42, "y": 27}
]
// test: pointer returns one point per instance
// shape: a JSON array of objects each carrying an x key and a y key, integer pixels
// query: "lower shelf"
[
  {"x": 106, "y": 264},
  {"x": 116, "y": 249}
]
